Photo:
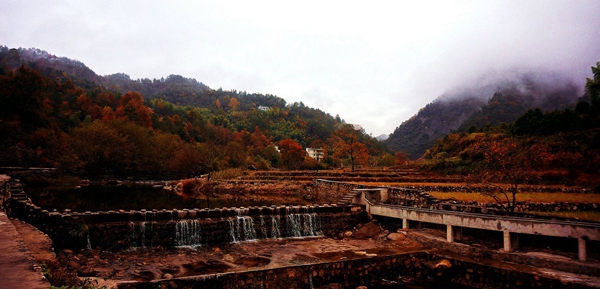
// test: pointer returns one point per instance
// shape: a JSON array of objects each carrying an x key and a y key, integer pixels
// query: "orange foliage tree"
[
  {"x": 347, "y": 145},
  {"x": 506, "y": 165},
  {"x": 292, "y": 153},
  {"x": 131, "y": 106}
]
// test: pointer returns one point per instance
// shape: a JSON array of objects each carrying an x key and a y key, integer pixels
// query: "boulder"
[
  {"x": 396, "y": 237},
  {"x": 369, "y": 230}
]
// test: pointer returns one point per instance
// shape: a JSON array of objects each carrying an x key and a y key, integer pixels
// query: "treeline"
[
  {"x": 473, "y": 108},
  {"x": 98, "y": 132},
  {"x": 561, "y": 144}
]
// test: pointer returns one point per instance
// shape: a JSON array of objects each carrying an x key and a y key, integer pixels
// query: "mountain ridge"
[{"x": 491, "y": 103}]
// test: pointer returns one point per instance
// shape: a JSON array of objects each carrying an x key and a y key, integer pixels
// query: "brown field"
[
  {"x": 537, "y": 197},
  {"x": 589, "y": 215}
]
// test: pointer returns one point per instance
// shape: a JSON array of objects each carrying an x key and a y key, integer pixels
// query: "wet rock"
[
  {"x": 67, "y": 251},
  {"x": 168, "y": 276},
  {"x": 347, "y": 234},
  {"x": 442, "y": 264},
  {"x": 228, "y": 258},
  {"x": 396, "y": 237}
]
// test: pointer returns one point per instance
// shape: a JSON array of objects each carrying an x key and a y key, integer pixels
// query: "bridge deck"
[
  {"x": 569, "y": 229},
  {"x": 511, "y": 227}
]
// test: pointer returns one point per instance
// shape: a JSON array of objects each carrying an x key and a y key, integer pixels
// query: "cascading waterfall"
[
  {"x": 303, "y": 225},
  {"x": 275, "y": 232},
  {"x": 188, "y": 233},
  {"x": 89, "y": 244},
  {"x": 241, "y": 228},
  {"x": 138, "y": 234},
  {"x": 143, "y": 233},
  {"x": 294, "y": 222},
  {"x": 296, "y": 225},
  {"x": 133, "y": 239}
]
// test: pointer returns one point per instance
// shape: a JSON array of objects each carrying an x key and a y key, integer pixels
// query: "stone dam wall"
[{"x": 115, "y": 230}]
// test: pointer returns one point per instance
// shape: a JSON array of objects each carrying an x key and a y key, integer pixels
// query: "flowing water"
[{"x": 188, "y": 233}]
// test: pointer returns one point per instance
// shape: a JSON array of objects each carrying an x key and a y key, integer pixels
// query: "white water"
[
  {"x": 188, "y": 233},
  {"x": 89, "y": 244},
  {"x": 303, "y": 225},
  {"x": 275, "y": 232},
  {"x": 241, "y": 229}
]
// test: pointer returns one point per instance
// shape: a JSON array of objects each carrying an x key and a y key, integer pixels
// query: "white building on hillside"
[{"x": 316, "y": 153}]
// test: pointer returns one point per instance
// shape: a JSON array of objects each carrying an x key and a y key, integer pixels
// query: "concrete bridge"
[{"x": 511, "y": 227}]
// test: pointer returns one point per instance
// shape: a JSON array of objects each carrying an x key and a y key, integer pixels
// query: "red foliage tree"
[
  {"x": 506, "y": 163},
  {"x": 292, "y": 154},
  {"x": 131, "y": 106}
]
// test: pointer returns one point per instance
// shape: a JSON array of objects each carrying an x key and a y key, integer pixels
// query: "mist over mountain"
[{"x": 490, "y": 100}]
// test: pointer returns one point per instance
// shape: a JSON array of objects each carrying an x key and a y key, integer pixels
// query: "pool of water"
[{"x": 122, "y": 197}]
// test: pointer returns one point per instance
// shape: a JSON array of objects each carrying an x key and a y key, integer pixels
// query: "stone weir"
[
  {"x": 192, "y": 228},
  {"x": 114, "y": 230}
]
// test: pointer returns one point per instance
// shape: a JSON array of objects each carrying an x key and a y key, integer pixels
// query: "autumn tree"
[
  {"x": 131, "y": 106},
  {"x": 506, "y": 165},
  {"x": 272, "y": 155},
  {"x": 347, "y": 145},
  {"x": 233, "y": 103},
  {"x": 401, "y": 158},
  {"x": 387, "y": 160},
  {"x": 102, "y": 149},
  {"x": 235, "y": 154},
  {"x": 198, "y": 158},
  {"x": 188, "y": 161},
  {"x": 23, "y": 98},
  {"x": 292, "y": 154}
]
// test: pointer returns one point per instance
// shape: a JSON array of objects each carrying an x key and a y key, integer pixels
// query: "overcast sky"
[{"x": 375, "y": 63}]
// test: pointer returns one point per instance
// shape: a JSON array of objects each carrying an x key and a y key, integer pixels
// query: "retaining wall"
[
  {"x": 419, "y": 267},
  {"x": 126, "y": 229},
  {"x": 416, "y": 197}
]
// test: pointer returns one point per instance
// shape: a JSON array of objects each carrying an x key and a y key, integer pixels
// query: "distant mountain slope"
[
  {"x": 233, "y": 110},
  {"x": 435, "y": 120},
  {"x": 174, "y": 88},
  {"x": 491, "y": 103}
]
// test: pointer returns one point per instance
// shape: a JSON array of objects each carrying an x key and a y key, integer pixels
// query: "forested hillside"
[
  {"x": 475, "y": 109},
  {"x": 56, "y": 112},
  {"x": 559, "y": 145}
]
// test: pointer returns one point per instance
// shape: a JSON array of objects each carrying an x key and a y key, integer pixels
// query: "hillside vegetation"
[
  {"x": 556, "y": 146},
  {"x": 479, "y": 107},
  {"x": 56, "y": 112}
]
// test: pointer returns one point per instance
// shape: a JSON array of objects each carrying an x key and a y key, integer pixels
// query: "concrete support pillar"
[
  {"x": 405, "y": 224},
  {"x": 449, "y": 234},
  {"x": 511, "y": 241},
  {"x": 582, "y": 249}
]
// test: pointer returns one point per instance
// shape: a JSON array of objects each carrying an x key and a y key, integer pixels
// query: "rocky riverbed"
[{"x": 106, "y": 268}]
